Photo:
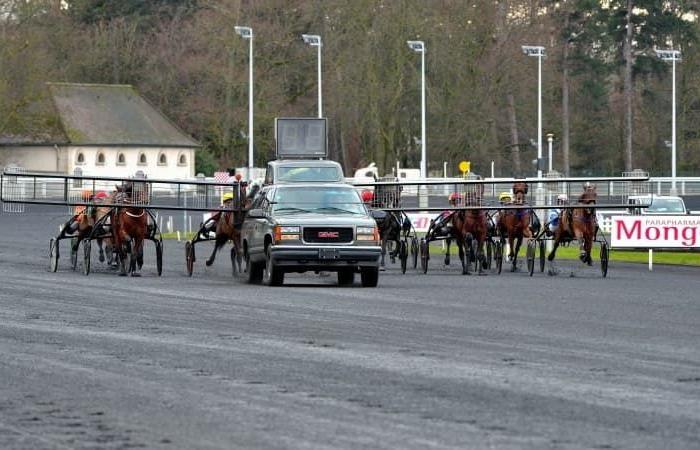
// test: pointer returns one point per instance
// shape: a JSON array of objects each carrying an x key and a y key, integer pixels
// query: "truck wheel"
[
  {"x": 346, "y": 277},
  {"x": 370, "y": 276},
  {"x": 254, "y": 271},
  {"x": 272, "y": 275}
]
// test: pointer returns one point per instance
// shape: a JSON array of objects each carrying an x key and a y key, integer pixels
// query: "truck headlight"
[
  {"x": 367, "y": 234},
  {"x": 286, "y": 233}
]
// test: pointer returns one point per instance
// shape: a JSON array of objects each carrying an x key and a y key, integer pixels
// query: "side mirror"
[{"x": 256, "y": 213}]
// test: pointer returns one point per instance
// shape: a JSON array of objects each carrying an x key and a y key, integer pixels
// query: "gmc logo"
[{"x": 328, "y": 234}]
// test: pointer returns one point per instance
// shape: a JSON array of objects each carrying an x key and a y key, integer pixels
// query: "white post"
[
  {"x": 320, "y": 82},
  {"x": 673, "y": 56},
  {"x": 247, "y": 33},
  {"x": 550, "y": 139},
  {"x": 651, "y": 258},
  {"x": 674, "y": 191},
  {"x": 539, "y": 114},
  {"x": 251, "y": 160},
  {"x": 423, "y": 162}
]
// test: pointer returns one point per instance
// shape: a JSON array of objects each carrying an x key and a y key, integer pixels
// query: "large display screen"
[{"x": 301, "y": 138}]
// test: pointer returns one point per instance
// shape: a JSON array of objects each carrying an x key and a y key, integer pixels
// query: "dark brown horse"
[
  {"x": 516, "y": 224},
  {"x": 130, "y": 227},
  {"x": 227, "y": 225},
  {"x": 580, "y": 224},
  {"x": 470, "y": 228}
]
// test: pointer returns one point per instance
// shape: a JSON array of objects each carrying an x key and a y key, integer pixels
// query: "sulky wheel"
[
  {"x": 414, "y": 251},
  {"x": 159, "y": 257},
  {"x": 531, "y": 247},
  {"x": 403, "y": 255},
  {"x": 73, "y": 253},
  {"x": 489, "y": 253},
  {"x": 604, "y": 258},
  {"x": 424, "y": 255},
  {"x": 87, "y": 247},
  {"x": 498, "y": 255},
  {"x": 53, "y": 255},
  {"x": 189, "y": 257},
  {"x": 542, "y": 256}
]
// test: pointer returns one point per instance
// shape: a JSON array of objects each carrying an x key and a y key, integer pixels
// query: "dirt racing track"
[{"x": 438, "y": 360}]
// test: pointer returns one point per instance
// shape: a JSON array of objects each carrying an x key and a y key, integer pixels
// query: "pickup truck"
[
  {"x": 320, "y": 227},
  {"x": 658, "y": 205}
]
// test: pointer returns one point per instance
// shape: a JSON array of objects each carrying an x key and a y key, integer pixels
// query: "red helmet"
[
  {"x": 101, "y": 194},
  {"x": 238, "y": 177},
  {"x": 454, "y": 197},
  {"x": 367, "y": 196}
]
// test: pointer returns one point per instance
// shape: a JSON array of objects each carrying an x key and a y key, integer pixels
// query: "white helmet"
[{"x": 562, "y": 197}]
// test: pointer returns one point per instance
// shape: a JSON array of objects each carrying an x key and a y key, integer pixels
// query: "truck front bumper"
[{"x": 328, "y": 258}]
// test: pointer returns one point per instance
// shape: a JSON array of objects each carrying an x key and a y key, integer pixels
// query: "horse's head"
[
  {"x": 589, "y": 194},
  {"x": 519, "y": 191}
]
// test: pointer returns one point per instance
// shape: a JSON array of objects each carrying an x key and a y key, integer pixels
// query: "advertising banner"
[{"x": 655, "y": 231}]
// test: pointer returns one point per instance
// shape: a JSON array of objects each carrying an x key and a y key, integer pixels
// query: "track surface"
[{"x": 423, "y": 361}]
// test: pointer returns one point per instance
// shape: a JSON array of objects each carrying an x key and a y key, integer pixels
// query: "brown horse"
[
  {"x": 516, "y": 224},
  {"x": 580, "y": 224},
  {"x": 470, "y": 228},
  {"x": 129, "y": 228},
  {"x": 227, "y": 226}
]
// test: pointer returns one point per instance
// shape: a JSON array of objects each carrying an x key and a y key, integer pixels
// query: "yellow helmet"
[
  {"x": 504, "y": 196},
  {"x": 227, "y": 196}
]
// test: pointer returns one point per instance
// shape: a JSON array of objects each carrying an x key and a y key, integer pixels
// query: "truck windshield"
[
  {"x": 666, "y": 205},
  {"x": 331, "y": 200},
  {"x": 309, "y": 174}
]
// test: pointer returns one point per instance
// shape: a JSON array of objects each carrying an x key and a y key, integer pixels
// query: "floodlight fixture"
[
  {"x": 313, "y": 40},
  {"x": 244, "y": 32},
  {"x": 416, "y": 46},
  {"x": 534, "y": 50}
]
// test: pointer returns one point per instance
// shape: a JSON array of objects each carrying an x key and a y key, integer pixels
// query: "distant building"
[{"x": 103, "y": 130}]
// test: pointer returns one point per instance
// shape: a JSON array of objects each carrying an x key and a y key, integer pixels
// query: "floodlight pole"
[
  {"x": 538, "y": 51},
  {"x": 314, "y": 40},
  {"x": 673, "y": 56},
  {"x": 419, "y": 47},
  {"x": 247, "y": 33},
  {"x": 550, "y": 139}
]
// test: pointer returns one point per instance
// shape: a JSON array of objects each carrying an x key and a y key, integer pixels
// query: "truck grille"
[{"x": 328, "y": 235}]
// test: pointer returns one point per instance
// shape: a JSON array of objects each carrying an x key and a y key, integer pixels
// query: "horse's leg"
[
  {"x": 133, "y": 257},
  {"x": 447, "y": 254},
  {"x": 588, "y": 246},
  {"x": 101, "y": 250},
  {"x": 121, "y": 256},
  {"x": 139, "y": 254},
  {"x": 218, "y": 243},
  {"x": 381, "y": 262},
  {"x": 582, "y": 244},
  {"x": 515, "y": 251}
]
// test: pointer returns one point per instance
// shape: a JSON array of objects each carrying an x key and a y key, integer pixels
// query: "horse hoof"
[
  {"x": 552, "y": 273},
  {"x": 209, "y": 263},
  {"x": 382, "y": 269},
  {"x": 135, "y": 274},
  {"x": 101, "y": 258},
  {"x": 122, "y": 274}
]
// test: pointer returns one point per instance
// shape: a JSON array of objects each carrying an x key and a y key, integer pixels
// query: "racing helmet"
[
  {"x": 367, "y": 196},
  {"x": 562, "y": 198},
  {"x": 454, "y": 197},
  {"x": 228, "y": 196},
  {"x": 504, "y": 196},
  {"x": 101, "y": 195}
]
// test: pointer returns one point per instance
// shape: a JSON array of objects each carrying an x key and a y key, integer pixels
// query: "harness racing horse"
[
  {"x": 130, "y": 226},
  {"x": 227, "y": 226},
  {"x": 516, "y": 224},
  {"x": 580, "y": 224},
  {"x": 470, "y": 228},
  {"x": 389, "y": 223}
]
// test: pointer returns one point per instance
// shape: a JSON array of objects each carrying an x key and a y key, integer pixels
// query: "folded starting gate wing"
[
  {"x": 486, "y": 194},
  {"x": 71, "y": 190}
]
